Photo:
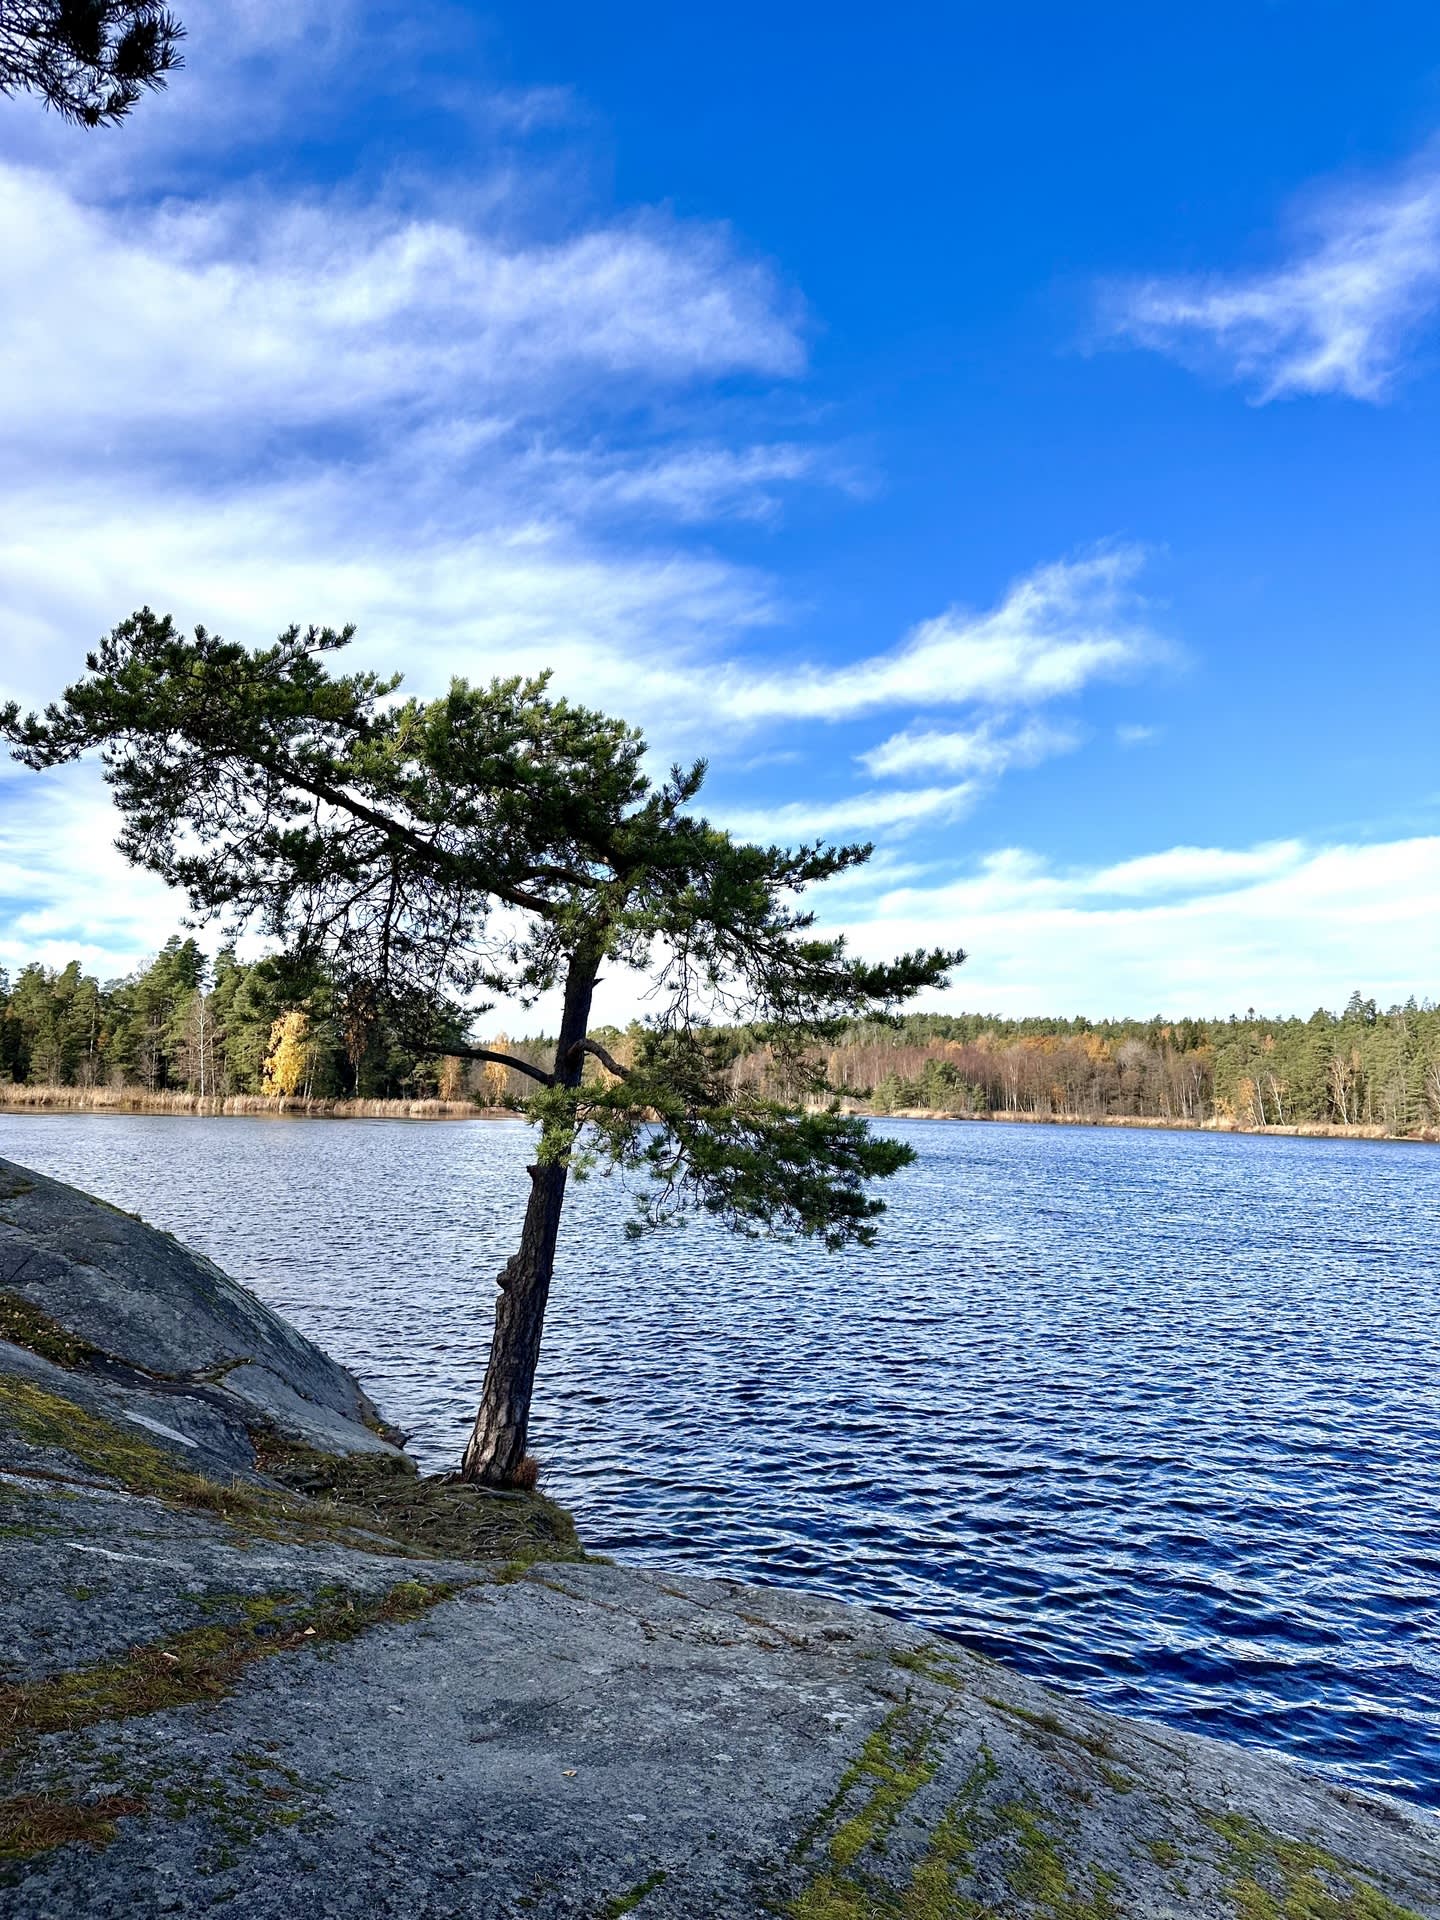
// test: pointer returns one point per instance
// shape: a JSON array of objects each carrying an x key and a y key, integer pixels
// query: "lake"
[{"x": 1154, "y": 1416}]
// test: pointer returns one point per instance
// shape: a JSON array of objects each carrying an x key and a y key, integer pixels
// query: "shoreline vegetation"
[
  {"x": 62, "y": 1099},
  {"x": 190, "y": 1034},
  {"x": 136, "y": 1100}
]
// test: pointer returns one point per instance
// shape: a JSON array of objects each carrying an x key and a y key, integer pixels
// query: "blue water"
[{"x": 1154, "y": 1416}]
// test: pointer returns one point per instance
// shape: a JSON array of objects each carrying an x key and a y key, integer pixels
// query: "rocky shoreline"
[{"x": 256, "y": 1665}]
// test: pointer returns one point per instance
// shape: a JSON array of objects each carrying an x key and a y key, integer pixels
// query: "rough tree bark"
[{"x": 496, "y": 1445}]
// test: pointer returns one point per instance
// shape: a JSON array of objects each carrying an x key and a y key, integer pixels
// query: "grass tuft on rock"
[
  {"x": 24, "y": 1325},
  {"x": 435, "y": 1515},
  {"x": 206, "y": 1662},
  {"x": 36, "y": 1823},
  {"x": 374, "y": 1502}
]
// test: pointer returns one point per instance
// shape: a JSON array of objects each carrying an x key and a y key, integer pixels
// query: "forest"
[{"x": 215, "y": 1029}]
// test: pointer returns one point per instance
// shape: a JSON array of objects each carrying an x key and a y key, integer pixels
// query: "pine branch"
[{"x": 501, "y": 1060}]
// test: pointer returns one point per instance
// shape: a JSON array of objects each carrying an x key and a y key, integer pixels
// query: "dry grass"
[
  {"x": 34, "y": 1823},
  {"x": 526, "y": 1476},
  {"x": 24, "y": 1325},
  {"x": 426, "y": 1514},
  {"x": 136, "y": 1100},
  {"x": 207, "y": 1662}
]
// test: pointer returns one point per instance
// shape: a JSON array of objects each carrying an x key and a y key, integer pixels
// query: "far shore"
[
  {"x": 1303, "y": 1130},
  {"x": 134, "y": 1100}
]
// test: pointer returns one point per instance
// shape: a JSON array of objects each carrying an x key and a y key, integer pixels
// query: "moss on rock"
[
  {"x": 206, "y": 1662},
  {"x": 1268, "y": 1877},
  {"x": 24, "y": 1325},
  {"x": 375, "y": 1502},
  {"x": 45, "y": 1418}
]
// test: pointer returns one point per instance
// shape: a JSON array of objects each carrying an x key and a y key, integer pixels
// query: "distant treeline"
[
  {"x": 226, "y": 1028},
  {"x": 1359, "y": 1067},
  {"x": 215, "y": 1028}
]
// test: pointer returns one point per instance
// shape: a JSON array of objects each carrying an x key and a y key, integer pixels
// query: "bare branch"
[
  {"x": 503, "y": 1060},
  {"x": 348, "y": 802},
  {"x": 606, "y": 1059}
]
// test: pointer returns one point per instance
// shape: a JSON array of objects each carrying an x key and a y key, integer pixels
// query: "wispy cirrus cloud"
[
  {"x": 444, "y": 587},
  {"x": 690, "y": 486},
  {"x": 275, "y": 321},
  {"x": 472, "y": 439},
  {"x": 1055, "y": 632},
  {"x": 892, "y": 810},
  {"x": 1061, "y": 627},
  {"x": 986, "y": 750},
  {"x": 1361, "y": 279}
]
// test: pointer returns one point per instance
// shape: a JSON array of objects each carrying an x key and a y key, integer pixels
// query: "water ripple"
[{"x": 1153, "y": 1416}]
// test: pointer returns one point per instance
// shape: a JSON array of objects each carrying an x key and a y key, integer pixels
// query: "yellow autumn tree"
[
  {"x": 496, "y": 1079},
  {"x": 288, "y": 1060},
  {"x": 451, "y": 1078}
]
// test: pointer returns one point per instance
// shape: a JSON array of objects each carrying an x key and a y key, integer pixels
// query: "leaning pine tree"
[{"x": 433, "y": 856}]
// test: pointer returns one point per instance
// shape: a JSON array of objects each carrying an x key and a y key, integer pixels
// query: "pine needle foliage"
[
  {"x": 89, "y": 60},
  {"x": 435, "y": 856}
]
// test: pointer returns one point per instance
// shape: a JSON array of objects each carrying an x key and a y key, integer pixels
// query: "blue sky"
[{"x": 1009, "y": 435}]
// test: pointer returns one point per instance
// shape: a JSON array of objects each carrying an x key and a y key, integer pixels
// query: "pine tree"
[{"x": 500, "y": 841}]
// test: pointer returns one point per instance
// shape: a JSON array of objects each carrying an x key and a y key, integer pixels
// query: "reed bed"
[{"x": 43, "y": 1099}]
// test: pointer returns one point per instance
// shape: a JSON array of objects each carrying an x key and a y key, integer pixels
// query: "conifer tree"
[
  {"x": 434, "y": 856},
  {"x": 89, "y": 60}
]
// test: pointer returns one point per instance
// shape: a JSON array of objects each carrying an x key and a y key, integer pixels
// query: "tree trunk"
[{"x": 496, "y": 1446}]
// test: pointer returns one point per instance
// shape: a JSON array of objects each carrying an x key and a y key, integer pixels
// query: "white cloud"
[
  {"x": 985, "y": 749},
  {"x": 1284, "y": 928},
  {"x": 1333, "y": 318},
  {"x": 626, "y": 627},
  {"x": 294, "y": 410},
  {"x": 1133, "y": 735},
  {"x": 1182, "y": 869},
  {"x": 226, "y": 324},
  {"x": 65, "y": 893},
  {"x": 898, "y": 810},
  {"x": 690, "y": 486},
  {"x": 1058, "y": 629},
  {"x": 438, "y": 427}
]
